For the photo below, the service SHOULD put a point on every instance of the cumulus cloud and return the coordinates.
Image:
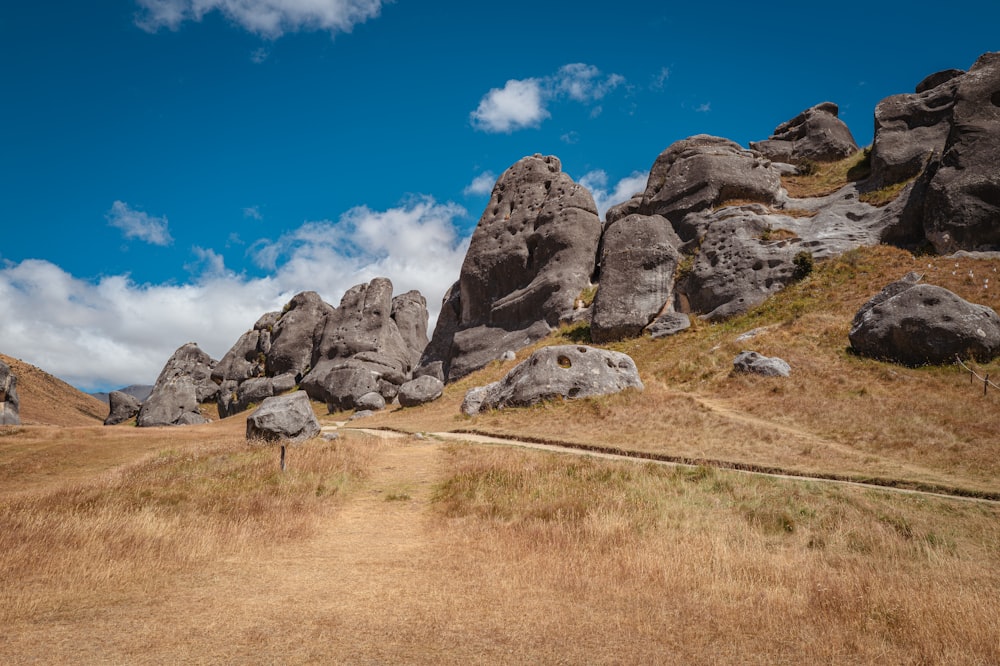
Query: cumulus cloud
(597, 182)
(267, 18)
(137, 224)
(116, 332)
(523, 103)
(481, 184)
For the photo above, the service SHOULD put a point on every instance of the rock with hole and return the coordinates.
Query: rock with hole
(561, 371)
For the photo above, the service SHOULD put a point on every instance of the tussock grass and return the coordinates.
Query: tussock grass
(828, 177)
(714, 567)
(123, 534)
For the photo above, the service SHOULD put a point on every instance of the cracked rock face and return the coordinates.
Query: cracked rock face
(532, 253)
(815, 135)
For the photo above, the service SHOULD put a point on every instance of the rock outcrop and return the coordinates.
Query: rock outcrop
(123, 407)
(10, 405)
(946, 136)
(370, 343)
(532, 253)
(562, 371)
(919, 324)
(184, 383)
(750, 362)
(639, 258)
(283, 418)
(815, 135)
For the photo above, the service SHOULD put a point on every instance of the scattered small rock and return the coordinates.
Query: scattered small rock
(758, 364)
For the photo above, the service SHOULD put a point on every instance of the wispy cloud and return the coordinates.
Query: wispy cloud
(704, 108)
(660, 80)
(138, 224)
(259, 55)
(481, 184)
(115, 332)
(523, 103)
(253, 213)
(597, 182)
(267, 18)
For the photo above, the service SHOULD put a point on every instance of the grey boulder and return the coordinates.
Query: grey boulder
(562, 371)
(638, 260)
(532, 253)
(815, 135)
(370, 402)
(10, 404)
(750, 362)
(123, 407)
(669, 323)
(420, 391)
(174, 401)
(287, 417)
(917, 324)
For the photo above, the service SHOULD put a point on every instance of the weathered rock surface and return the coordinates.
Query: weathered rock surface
(370, 343)
(917, 324)
(287, 417)
(10, 404)
(371, 402)
(532, 253)
(562, 371)
(638, 260)
(420, 391)
(184, 383)
(669, 323)
(947, 136)
(123, 407)
(751, 362)
(815, 135)
(174, 401)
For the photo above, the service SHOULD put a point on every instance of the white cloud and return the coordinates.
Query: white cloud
(524, 103)
(259, 55)
(137, 224)
(115, 332)
(704, 108)
(267, 18)
(481, 184)
(517, 105)
(660, 80)
(253, 213)
(597, 182)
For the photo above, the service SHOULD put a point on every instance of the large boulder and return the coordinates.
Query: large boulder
(420, 391)
(562, 371)
(701, 173)
(123, 407)
(917, 324)
(295, 334)
(638, 260)
(815, 135)
(184, 383)
(532, 253)
(248, 357)
(409, 313)
(174, 401)
(946, 135)
(282, 418)
(10, 405)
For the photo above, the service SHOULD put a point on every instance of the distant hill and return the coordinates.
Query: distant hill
(47, 400)
(138, 391)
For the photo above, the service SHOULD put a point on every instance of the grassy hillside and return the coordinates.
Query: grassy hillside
(837, 413)
(47, 400)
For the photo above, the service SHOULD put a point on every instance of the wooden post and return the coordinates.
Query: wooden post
(282, 457)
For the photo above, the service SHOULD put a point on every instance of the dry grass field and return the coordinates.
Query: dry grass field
(188, 545)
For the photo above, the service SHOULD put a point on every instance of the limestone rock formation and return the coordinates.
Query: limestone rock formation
(123, 407)
(184, 383)
(946, 135)
(283, 418)
(248, 357)
(638, 260)
(420, 391)
(295, 335)
(815, 135)
(917, 324)
(561, 371)
(10, 405)
(751, 362)
(532, 253)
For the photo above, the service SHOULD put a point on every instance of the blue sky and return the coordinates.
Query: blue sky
(171, 169)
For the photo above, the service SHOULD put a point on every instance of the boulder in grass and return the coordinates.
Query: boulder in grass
(9, 403)
(371, 402)
(281, 418)
(123, 407)
(750, 362)
(561, 371)
(420, 391)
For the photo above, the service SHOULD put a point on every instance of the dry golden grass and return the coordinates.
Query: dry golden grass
(47, 400)
(828, 177)
(837, 413)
